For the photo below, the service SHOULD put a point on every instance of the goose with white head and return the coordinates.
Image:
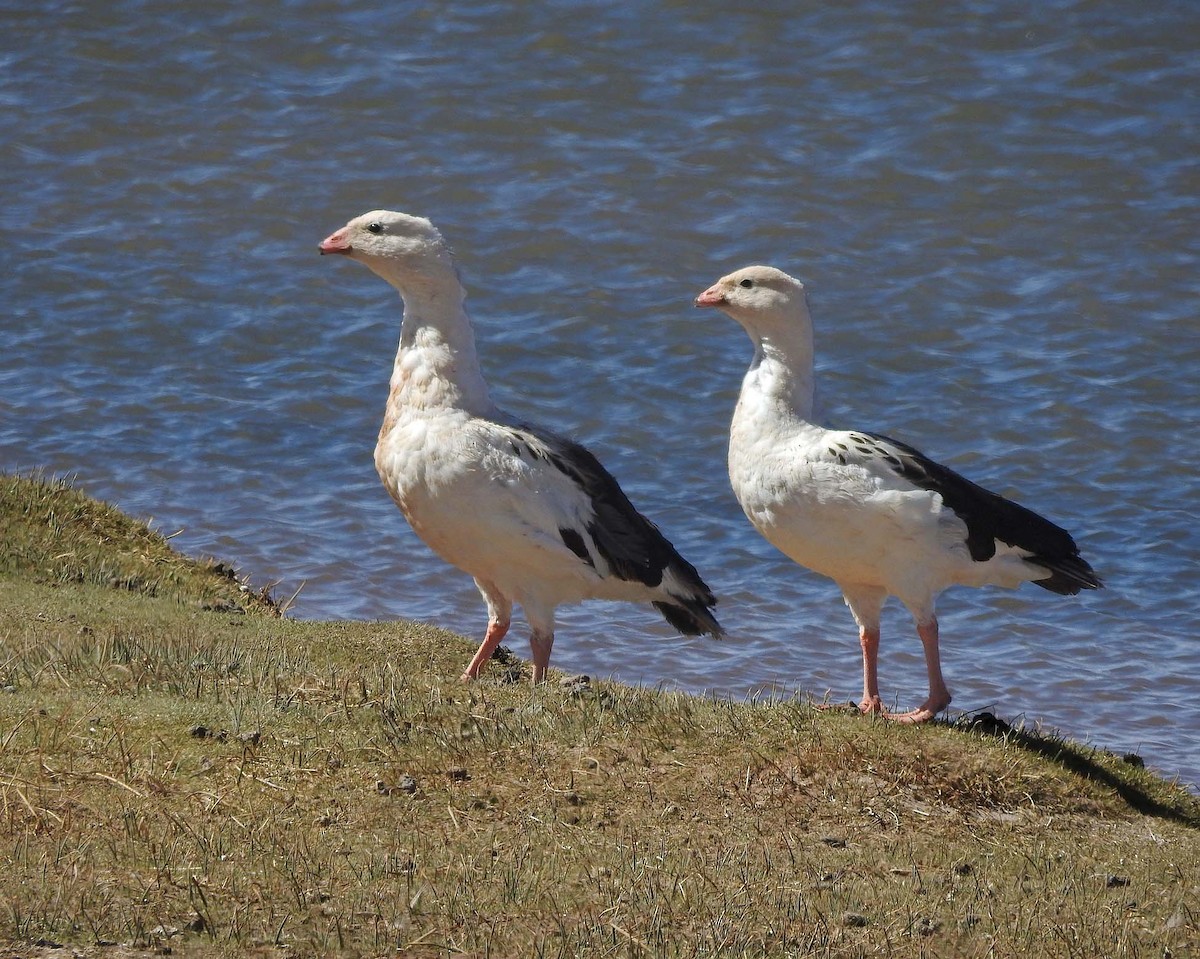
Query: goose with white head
(871, 513)
(531, 516)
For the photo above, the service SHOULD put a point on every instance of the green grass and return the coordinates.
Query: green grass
(51, 533)
(182, 769)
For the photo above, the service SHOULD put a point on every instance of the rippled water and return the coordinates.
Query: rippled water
(993, 205)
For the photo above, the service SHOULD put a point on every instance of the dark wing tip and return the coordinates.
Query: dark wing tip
(1071, 574)
(691, 618)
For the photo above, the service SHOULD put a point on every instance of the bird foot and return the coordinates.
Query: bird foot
(922, 714)
(872, 704)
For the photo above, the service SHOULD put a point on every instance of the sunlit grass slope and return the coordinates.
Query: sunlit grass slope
(182, 769)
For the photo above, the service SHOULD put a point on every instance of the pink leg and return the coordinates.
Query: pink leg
(540, 643)
(871, 703)
(939, 695)
(866, 603)
(491, 639)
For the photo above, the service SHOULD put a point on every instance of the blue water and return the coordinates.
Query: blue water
(993, 205)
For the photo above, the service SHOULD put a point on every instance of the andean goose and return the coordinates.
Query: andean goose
(533, 517)
(873, 514)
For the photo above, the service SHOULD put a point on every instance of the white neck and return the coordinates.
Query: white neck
(436, 363)
(780, 378)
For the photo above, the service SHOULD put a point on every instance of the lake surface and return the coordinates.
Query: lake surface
(993, 205)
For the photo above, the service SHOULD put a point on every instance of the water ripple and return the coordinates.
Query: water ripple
(993, 210)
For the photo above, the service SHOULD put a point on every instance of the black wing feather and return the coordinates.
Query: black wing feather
(990, 517)
(630, 544)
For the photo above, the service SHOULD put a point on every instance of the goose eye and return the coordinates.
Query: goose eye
(375, 227)
(746, 283)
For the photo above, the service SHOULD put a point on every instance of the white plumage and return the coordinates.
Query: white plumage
(871, 513)
(533, 517)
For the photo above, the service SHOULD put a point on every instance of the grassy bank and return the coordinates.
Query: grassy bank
(182, 769)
